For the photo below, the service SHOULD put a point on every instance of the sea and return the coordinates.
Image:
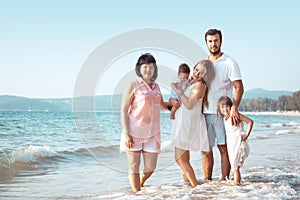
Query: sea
(63, 155)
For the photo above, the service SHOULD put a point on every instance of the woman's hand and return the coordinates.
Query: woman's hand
(128, 141)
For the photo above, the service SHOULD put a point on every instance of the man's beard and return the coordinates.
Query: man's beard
(215, 52)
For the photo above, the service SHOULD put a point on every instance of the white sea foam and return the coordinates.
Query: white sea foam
(283, 132)
(26, 155)
(210, 190)
(166, 146)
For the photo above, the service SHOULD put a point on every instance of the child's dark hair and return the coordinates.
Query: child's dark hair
(146, 58)
(224, 100)
(184, 68)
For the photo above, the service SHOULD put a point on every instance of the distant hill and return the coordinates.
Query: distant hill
(259, 92)
(15, 103)
(101, 103)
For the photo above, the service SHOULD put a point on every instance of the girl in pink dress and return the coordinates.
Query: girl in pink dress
(140, 116)
(236, 138)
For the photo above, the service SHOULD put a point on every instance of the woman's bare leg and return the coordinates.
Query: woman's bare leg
(183, 161)
(150, 161)
(134, 158)
(185, 179)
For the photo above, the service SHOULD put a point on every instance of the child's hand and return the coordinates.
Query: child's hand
(175, 102)
(245, 137)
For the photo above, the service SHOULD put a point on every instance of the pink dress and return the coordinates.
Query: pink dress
(144, 114)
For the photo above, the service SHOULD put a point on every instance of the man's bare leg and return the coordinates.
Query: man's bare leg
(208, 164)
(225, 165)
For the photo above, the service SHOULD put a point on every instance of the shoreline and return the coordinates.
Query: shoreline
(280, 113)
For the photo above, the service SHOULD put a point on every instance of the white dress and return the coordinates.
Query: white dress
(238, 150)
(189, 128)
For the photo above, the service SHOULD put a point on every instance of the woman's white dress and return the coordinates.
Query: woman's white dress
(189, 130)
(238, 150)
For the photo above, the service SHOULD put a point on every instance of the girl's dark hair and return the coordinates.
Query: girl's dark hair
(213, 32)
(146, 58)
(224, 100)
(184, 68)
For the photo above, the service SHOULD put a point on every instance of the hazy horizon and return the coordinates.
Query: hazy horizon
(97, 95)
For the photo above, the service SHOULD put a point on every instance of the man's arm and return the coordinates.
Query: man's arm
(239, 91)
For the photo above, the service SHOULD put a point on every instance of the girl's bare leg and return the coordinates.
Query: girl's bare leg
(150, 161)
(237, 176)
(183, 161)
(133, 169)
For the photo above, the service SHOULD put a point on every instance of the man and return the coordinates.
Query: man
(228, 76)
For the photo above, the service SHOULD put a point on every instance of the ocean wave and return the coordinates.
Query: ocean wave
(290, 124)
(24, 158)
(100, 149)
(287, 131)
(30, 154)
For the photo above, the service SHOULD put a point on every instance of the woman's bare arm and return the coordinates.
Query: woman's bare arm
(127, 99)
(164, 105)
(197, 92)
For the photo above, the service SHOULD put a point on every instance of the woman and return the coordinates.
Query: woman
(140, 113)
(189, 131)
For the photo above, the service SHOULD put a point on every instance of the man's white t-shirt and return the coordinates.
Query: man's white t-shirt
(226, 71)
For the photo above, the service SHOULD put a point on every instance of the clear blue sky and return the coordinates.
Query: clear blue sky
(43, 44)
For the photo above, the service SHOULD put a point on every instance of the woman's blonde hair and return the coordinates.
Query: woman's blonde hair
(208, 76)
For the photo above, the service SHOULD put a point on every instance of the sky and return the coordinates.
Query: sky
(44, 44)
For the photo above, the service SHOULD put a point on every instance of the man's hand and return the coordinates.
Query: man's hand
(235, 116)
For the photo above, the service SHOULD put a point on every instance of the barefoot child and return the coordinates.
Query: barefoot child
(237, 147)
(183, 83)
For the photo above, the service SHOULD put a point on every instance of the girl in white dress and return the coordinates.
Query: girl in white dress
(237, 146)
(189, 131)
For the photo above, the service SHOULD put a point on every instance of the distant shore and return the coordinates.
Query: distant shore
(283, 113)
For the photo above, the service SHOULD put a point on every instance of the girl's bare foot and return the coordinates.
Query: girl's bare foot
(237, 183)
